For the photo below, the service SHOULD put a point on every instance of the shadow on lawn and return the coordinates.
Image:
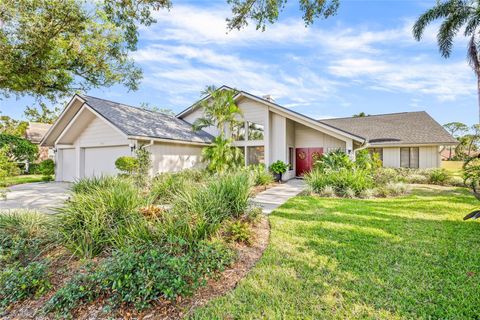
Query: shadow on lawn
(410, 257)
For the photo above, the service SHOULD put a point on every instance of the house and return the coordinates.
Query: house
(35, 133)
(91, 133)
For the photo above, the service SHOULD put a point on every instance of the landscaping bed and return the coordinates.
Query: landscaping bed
(130, 246)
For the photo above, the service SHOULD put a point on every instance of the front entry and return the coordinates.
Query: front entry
(305, 158)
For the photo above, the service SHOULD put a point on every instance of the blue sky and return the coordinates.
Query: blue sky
(362, 59)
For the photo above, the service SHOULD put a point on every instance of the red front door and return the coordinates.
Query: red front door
(305, 158)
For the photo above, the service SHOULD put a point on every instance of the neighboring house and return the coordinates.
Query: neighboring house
(35, 133)
(91, 133)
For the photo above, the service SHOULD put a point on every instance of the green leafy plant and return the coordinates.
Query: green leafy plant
(279, 167)
(19, 149)
(47, 167)
(222, 156)
(438, 176)
(127, 165)
(239, 231)
(261, 177)
(366, 161)
(334, 160)
(18, 282)
(471, 173)
(340, 180)
(137, 276)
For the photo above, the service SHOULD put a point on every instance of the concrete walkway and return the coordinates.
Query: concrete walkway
(272, 198)
(38, 196)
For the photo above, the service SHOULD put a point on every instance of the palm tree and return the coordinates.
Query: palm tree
(219, 111)
(221, 155)
(455, 14)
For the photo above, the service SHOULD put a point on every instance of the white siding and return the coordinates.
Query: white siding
(306, 137)
(174, 157)
(196, 114)
(391, 157)
(253, 111)
(429, 157)
(98, 133)
(278, 142)
(290, 143)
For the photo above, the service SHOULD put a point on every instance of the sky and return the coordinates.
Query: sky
(364, 59)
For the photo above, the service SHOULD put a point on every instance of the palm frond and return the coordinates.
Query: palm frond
(449, 28)
(441, 10)
(472, 55)
(473, 22)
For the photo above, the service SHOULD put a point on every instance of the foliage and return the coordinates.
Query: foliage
(52, 48)
(263, 12)
(340, 180)
(392, 189)
(198, 212)
(18, 283)
(19, 149)
(334, 250)
(14, 180)
(126, 164)
(23, 235)
(471, 173)
(46, 167)
(138, 276)
(221, 155)
(12, 126)
(366, 161)
(42, 114)
(219, 110)
(102, 213)
(261, 177)
(47, 178)
(141, 174)
(439, 176)
(239, 231)
(334, 160)
(279, 167)
(165, 186)
(7, 167)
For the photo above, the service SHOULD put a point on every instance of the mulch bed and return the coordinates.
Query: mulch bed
(225, 282)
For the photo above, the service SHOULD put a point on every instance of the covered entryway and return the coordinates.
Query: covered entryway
(100, 161)
(305, 158)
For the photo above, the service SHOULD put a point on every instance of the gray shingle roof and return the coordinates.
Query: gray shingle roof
(395, 129)
(140, 122)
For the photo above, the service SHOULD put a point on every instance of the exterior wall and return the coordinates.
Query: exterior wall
(167, 157)
(278, 138)
(306, 137)
(98, 133)
(290, 136)
(391, 157)
(253, 111)
(429, 157)
(198, 113)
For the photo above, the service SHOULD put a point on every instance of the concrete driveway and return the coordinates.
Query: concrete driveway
(39, 196)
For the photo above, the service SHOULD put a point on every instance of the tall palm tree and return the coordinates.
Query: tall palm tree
(220, 110)
(455, 14)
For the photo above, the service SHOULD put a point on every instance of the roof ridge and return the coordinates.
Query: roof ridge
(374, 115)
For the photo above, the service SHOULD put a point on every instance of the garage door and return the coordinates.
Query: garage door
(101, 161)
(69, 164)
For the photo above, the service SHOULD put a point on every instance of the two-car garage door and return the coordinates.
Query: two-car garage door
(95, 161)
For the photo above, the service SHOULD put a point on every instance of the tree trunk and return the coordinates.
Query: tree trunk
(478, 94)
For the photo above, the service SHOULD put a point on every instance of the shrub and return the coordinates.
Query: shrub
(417, 178)
(349, 193)
(18, 283)
(46, 167)
(279, 167)
(253, 214)
(384, 175)
(328, 191)
(365, 161)
(7, 167)
(198, 211)
(137, 276)
(471, 173)
(334, 160)
(439, 176)
(261, 177)
(102, 213)
(456, 181)
(126, 164)
(239, 231)
(340, 180)
(23, 235)
(165, 186)
(47, 178)
(392, 189)
(368, 193)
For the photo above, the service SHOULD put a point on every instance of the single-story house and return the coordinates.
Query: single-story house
(35, 133)
(91, 133)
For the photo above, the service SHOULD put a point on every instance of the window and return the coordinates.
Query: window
(238, 131)
(291, 157)
(256, 155)
(379, 151)
(255, 131)
(409, 158)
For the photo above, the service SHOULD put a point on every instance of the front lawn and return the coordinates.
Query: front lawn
(13, 180)
(398, 258)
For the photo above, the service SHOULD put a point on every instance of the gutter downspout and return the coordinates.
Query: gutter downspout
(363, 146)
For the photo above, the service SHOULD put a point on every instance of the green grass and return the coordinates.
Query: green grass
(399, 258)
(10, 181)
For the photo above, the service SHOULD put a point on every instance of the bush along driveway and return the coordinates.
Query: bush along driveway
(399, 258)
